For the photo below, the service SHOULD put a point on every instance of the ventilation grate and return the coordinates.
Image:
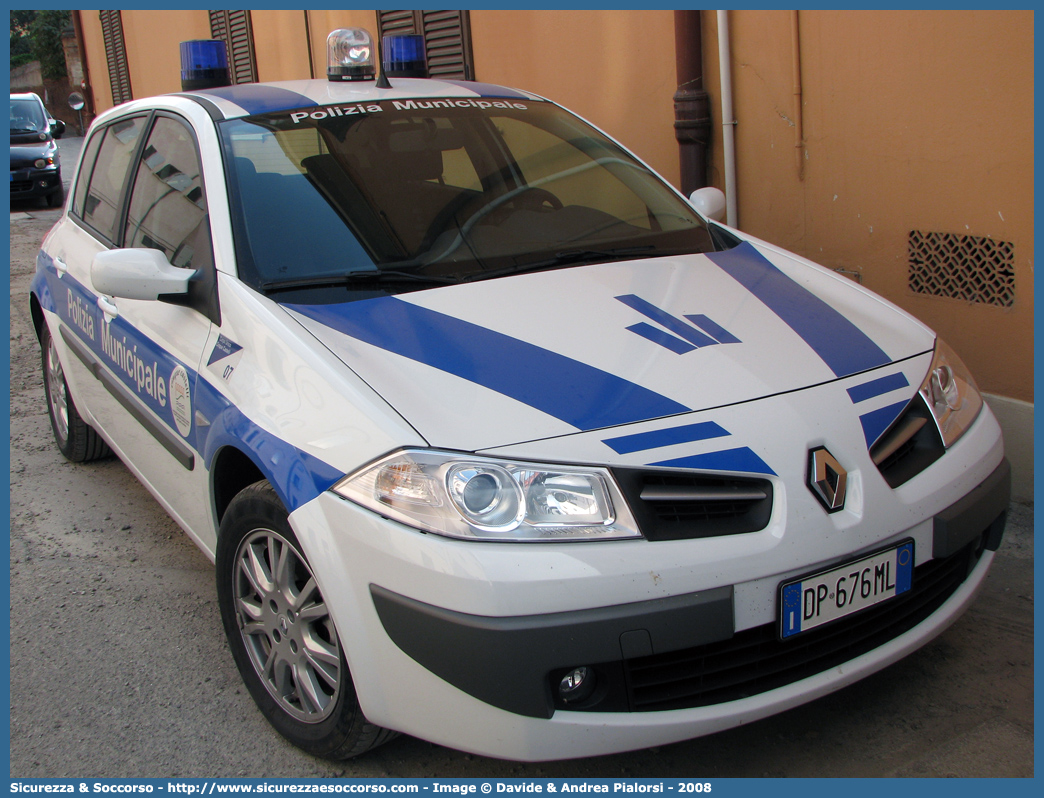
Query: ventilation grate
(970, 268)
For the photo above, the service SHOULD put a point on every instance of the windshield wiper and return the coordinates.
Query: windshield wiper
(570, 257)
(375, 277)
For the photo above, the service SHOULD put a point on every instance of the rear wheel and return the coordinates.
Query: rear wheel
(76, 440)
(281, 634)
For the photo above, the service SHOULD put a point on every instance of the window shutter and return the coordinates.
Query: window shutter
(447, 39)
(234, 28)
(116, 55)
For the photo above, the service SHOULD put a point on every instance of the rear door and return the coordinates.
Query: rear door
(138, 361)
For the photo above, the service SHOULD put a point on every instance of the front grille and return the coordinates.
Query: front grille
(673, 506)
(755, 660)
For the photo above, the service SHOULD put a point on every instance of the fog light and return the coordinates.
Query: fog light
(577, 685)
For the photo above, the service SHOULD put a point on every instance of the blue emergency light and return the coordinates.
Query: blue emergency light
(204, 64)
(404, 56)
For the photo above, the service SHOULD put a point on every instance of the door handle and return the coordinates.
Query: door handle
(60, 266)
(108, 308)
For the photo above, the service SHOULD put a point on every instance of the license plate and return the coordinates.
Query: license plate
(842, 591)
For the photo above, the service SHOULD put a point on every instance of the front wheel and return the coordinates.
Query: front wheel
(56, 197)
(281, 634)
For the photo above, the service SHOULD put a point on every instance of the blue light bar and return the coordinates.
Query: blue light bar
(404, 56)
(204, 64)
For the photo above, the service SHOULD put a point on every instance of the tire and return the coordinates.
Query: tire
(56, 197)
(76, 440)
(282, 638)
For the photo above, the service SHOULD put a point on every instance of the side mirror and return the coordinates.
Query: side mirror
(137, 274)
(57, 129)
(709, 201)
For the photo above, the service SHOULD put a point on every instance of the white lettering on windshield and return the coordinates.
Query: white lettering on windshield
(335, 110)
(418, 105)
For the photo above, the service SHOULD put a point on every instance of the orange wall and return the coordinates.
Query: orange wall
(152, 39)
(913, 120)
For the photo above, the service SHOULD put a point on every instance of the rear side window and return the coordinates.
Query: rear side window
(90, 153)
(167, 208)
(101, 205)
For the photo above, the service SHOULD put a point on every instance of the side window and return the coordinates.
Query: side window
(90, 152)
(167, 208)
(101, 205)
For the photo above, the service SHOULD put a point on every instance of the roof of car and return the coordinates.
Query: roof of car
(259, 98)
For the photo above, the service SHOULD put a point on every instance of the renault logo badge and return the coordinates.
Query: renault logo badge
(827, 479)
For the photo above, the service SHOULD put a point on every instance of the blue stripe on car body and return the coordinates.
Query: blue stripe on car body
(740, 459)
(842, 346)
(878, 387)
(569, 390)
(664, 339)
(877, 421)
(667, 321)
(689, 433)
(297, 476)
(256, 98)
(713, 329)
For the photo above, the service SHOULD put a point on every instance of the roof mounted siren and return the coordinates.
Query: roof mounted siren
(204, 65)
(349, 53)
(404, 56)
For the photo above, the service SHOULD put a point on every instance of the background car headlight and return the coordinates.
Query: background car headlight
(467, 497)
(951, 394)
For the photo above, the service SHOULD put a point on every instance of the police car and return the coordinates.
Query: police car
(495, 438)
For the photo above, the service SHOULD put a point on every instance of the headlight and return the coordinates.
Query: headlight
(481, 498)
(951, 394)
(44, 163)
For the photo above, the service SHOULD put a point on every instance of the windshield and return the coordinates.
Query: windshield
(26, 116)
(399, 195)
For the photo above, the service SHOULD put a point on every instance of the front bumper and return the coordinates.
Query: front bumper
(33, 183)
(435, 628)
(512, 662)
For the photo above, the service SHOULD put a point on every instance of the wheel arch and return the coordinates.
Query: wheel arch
(37, 314)
(231, 471)
(239, 453)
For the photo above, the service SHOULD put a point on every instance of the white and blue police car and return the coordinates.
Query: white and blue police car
(495, 438)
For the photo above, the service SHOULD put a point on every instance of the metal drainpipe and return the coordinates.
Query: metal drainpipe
(728, 122)
(308, 44)
(799, 124)
(692, 124)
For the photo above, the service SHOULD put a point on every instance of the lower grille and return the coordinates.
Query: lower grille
(18, 186)
(755, 660)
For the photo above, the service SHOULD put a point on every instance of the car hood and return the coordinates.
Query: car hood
(27, 153)
(27, 141)
(504, 361)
